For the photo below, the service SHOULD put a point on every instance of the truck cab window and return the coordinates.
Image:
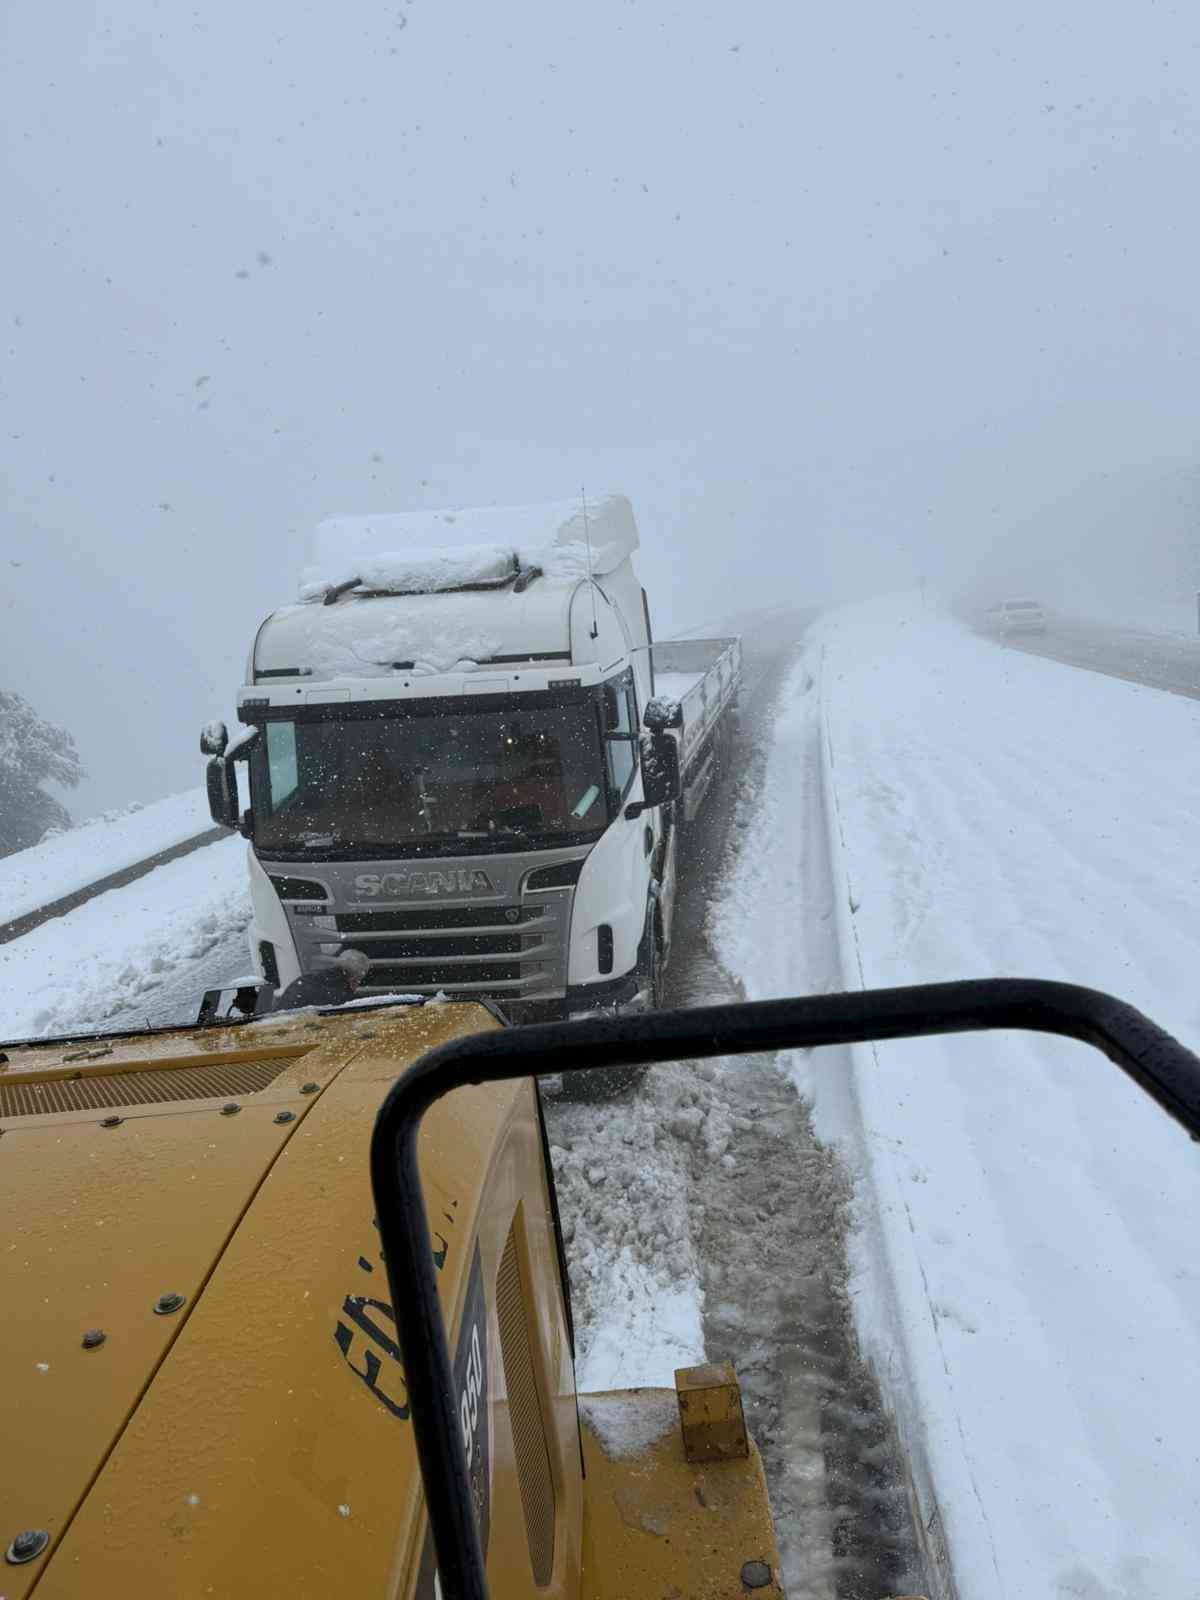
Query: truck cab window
(620, 738)
(281, 759)
(469, 778)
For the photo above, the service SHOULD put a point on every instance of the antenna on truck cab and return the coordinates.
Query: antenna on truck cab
(587, 534)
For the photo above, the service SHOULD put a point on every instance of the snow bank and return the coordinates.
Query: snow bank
(102, 964)
(420, 552)
(621, 1167)
(628, 1425)
(72, 860)
(1029, 1213)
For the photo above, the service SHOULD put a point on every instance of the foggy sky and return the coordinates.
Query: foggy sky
(840, 297)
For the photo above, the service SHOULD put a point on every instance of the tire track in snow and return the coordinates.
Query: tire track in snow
(775, 1239)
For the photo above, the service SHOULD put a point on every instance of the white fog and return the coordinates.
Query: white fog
(838, 300)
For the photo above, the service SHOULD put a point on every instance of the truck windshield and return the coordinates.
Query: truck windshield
(473, 780)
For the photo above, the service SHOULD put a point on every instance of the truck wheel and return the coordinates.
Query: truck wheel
(650, 971)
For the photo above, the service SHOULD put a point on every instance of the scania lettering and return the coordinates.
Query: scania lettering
(471, 762)
(402, 885)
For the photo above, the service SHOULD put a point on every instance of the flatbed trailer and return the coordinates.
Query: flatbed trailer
(702, 677)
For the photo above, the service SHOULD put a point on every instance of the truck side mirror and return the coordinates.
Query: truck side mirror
(661, 778)
(214, 736)
(220, 777)
(662, 713)
(221, 783)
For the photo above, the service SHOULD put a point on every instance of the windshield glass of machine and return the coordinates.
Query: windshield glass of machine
(478, 779)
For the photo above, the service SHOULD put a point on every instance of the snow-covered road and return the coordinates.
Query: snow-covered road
(69, 862)
(1026, 1274)
(1159, 660)
(143, 952)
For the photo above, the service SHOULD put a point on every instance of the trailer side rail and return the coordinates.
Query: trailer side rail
(703, 705)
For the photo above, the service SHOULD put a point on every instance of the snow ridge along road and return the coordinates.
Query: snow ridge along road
(1025, 1273)
(74, 861)
(29, 920)
(139, 954)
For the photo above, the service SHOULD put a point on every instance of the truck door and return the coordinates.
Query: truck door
(640, 841)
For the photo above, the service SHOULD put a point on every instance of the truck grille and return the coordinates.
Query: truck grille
(516, 950)
(444, 974)
(450, 946)
(405, 920)
(479, 944)
(506, 944)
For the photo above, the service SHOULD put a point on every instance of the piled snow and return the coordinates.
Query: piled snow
(419, 552)
(630, 1424)
(369, 642)
(622, 1170)
(1029, 1213)
(390, 999)
(77, 857)
(106, 964)
(427, 571)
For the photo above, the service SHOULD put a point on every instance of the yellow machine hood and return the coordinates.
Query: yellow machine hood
(189, 1266)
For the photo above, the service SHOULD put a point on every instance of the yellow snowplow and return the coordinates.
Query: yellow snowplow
(286, 1309)
(204, 1390)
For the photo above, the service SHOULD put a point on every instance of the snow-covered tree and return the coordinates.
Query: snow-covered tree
(32, 752)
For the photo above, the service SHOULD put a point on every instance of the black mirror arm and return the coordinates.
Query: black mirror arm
(1156, 1062)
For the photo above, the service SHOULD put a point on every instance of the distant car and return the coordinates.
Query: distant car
(1018, 616)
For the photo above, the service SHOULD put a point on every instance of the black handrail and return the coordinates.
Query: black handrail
(1155, 1061)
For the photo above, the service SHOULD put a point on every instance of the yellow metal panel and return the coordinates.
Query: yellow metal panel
(273, 1454)
(307, 1068)
(656, 1524)
(267, 1449)
(288, 1034)
(31, 1070)
(99, 1223)
(168, 1047)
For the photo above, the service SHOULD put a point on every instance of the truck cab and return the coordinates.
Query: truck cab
(455, 766)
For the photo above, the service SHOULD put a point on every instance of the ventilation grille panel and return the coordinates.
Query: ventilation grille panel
(525, 1414)
(233, 1080)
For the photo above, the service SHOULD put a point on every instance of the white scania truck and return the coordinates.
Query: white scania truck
(467, 759)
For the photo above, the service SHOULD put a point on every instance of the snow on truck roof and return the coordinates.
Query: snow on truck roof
(428, 633)
(444, 564)
(424, 552)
